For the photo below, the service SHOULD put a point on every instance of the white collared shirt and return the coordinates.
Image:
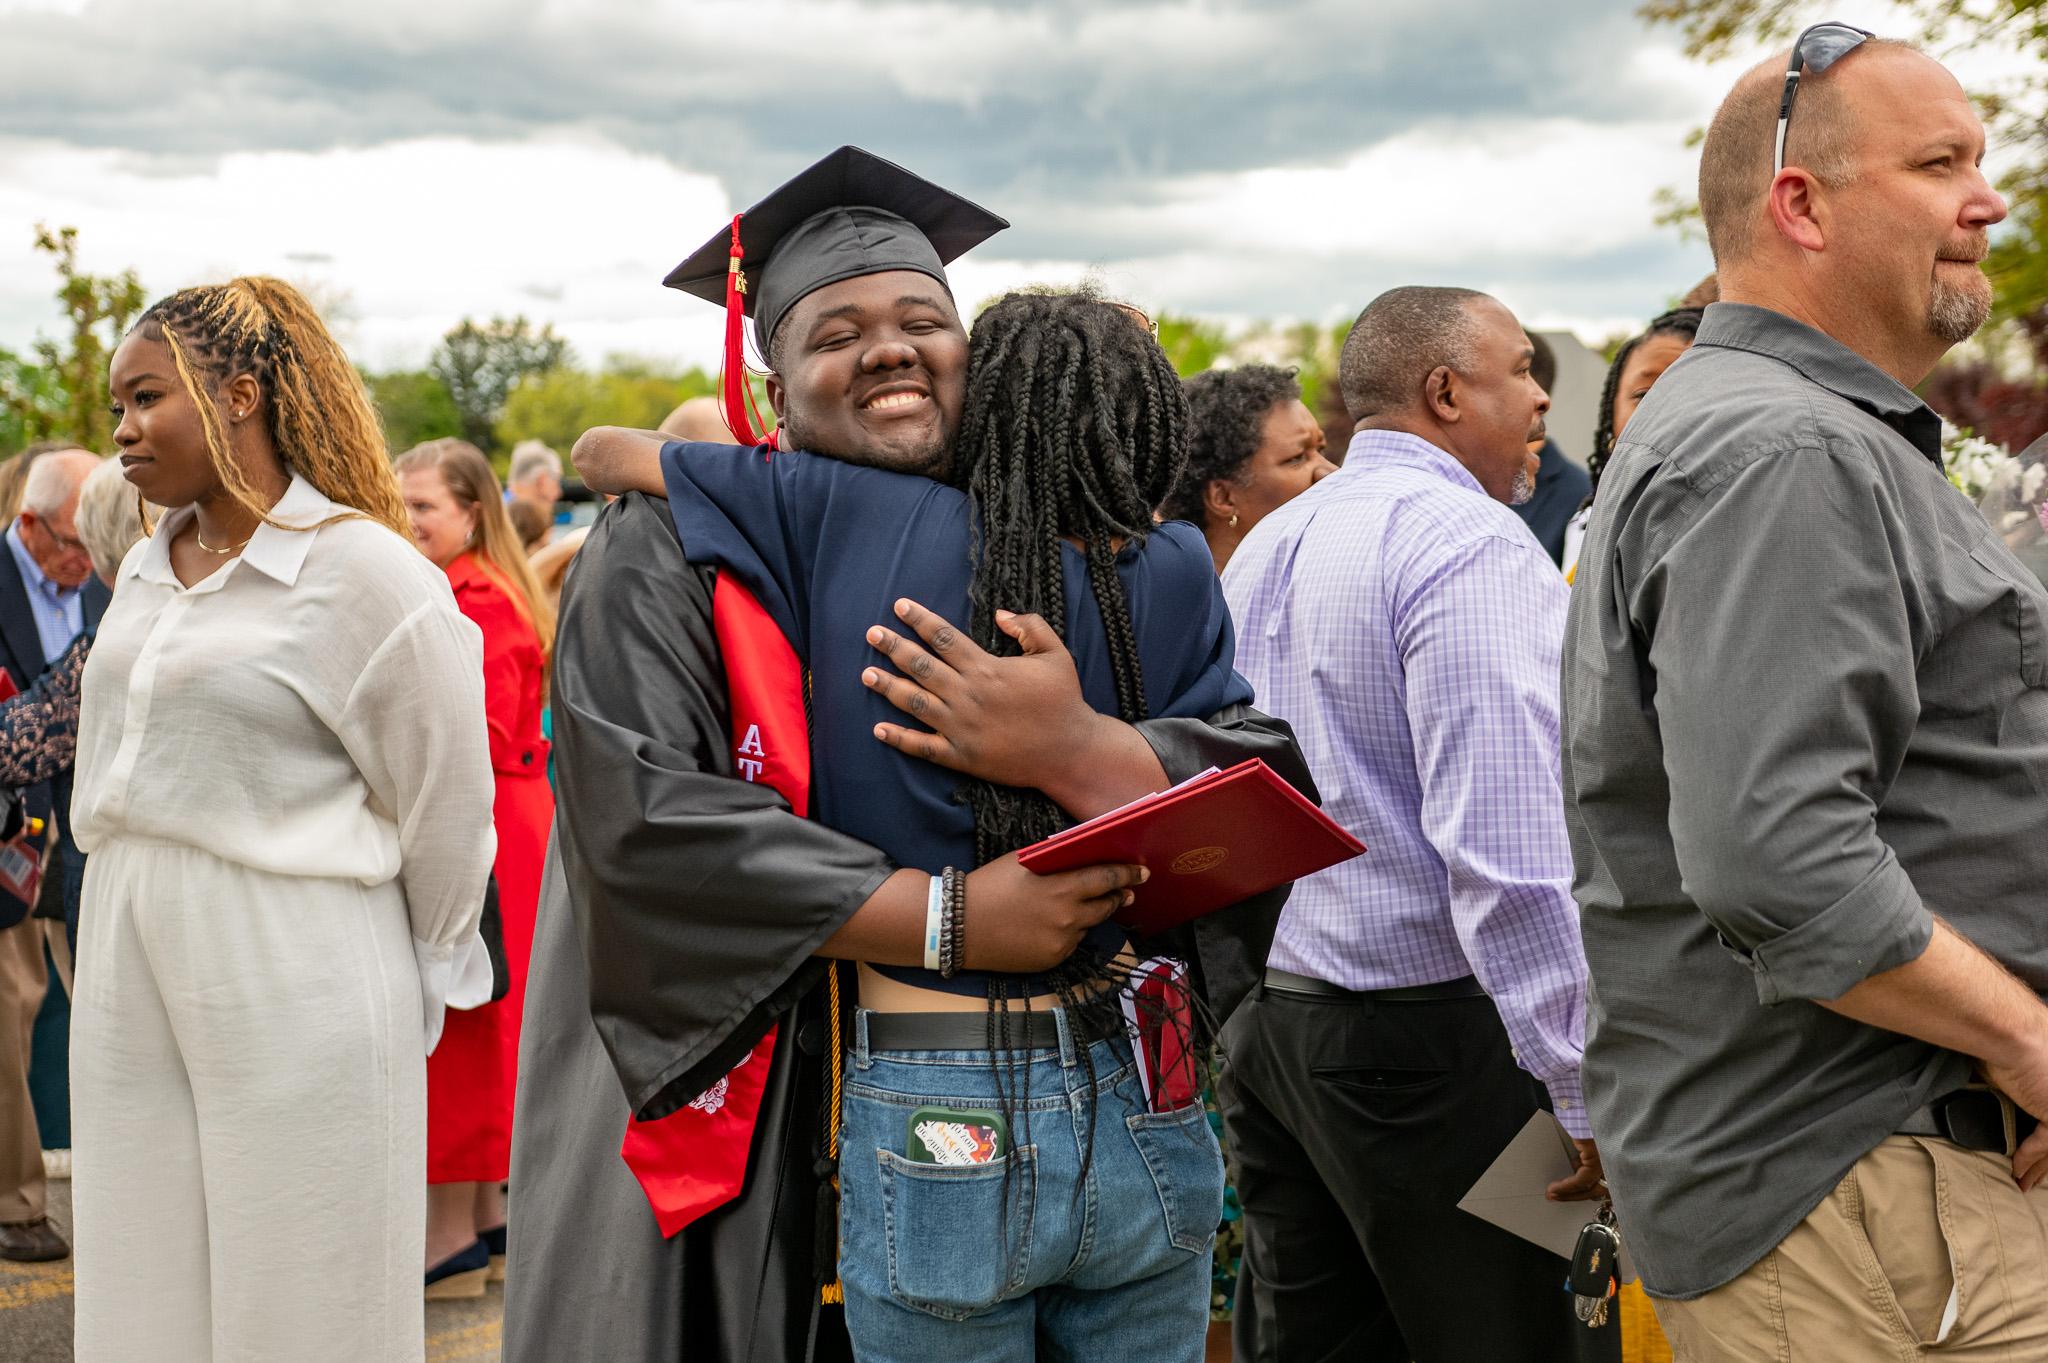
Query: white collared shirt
(313, 708)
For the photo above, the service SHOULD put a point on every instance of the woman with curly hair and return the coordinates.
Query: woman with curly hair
(285, 789)
(1253, 445)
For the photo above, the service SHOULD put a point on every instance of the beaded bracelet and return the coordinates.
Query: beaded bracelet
(952, 935)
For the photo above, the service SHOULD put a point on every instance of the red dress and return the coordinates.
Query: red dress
(470, 1075)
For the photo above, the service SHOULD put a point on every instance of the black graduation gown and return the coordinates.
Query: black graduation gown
(677, 923)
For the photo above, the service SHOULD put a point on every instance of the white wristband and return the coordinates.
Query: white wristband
(934, 919)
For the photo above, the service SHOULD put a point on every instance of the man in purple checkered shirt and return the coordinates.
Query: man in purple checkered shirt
(1422, 1001)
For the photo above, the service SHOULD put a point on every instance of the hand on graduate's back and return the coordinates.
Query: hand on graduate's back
(1018, 721)
(1020, 921)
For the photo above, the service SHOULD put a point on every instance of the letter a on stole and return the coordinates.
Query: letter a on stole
(694, 1160)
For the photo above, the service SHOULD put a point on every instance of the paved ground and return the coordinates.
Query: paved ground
(35, 1311)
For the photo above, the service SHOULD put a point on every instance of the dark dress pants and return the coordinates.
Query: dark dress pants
(1354, 1128)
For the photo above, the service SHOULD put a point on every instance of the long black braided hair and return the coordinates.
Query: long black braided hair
(1074, 428)
(1684, 322)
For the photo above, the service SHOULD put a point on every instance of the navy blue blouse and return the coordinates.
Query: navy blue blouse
(829, 547)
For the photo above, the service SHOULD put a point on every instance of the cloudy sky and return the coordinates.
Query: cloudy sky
(422, 160)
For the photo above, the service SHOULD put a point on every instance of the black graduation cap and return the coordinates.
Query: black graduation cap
(851, 214)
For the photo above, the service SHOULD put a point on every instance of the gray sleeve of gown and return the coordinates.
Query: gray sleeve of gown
(701, 897)
(1228, 947)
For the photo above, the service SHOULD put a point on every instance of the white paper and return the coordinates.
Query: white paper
(1510, 1193)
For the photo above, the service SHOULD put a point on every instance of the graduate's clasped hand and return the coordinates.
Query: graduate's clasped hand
(1023, 922)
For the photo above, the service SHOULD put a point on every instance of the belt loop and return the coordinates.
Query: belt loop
(1069, 1057)
(860, 1038)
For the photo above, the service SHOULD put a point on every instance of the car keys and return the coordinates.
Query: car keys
(1596, 1268)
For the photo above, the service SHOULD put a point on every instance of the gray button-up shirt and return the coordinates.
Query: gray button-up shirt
(1805, 709)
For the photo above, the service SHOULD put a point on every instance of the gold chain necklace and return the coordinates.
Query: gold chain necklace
(211, 550)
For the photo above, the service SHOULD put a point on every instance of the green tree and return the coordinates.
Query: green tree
(480, 365)
(414, 405)
(33, 402)
(1191, 343)
(62, 395)
(561, 404)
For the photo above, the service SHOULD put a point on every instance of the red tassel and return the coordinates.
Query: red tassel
(741, 417)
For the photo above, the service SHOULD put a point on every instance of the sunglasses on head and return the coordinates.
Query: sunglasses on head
(1815, 50)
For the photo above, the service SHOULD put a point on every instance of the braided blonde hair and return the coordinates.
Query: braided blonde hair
(320, 417)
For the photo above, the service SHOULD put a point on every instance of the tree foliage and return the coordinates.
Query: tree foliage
(62, 393)
(560, 404)
(414, 406)
(481, 363)
(1192, 344)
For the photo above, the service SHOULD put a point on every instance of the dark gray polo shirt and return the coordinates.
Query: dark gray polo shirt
(1805, 710)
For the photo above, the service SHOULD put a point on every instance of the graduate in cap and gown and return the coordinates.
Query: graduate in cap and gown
(704, 1002)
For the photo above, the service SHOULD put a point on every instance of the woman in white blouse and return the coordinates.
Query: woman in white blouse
(284, 786)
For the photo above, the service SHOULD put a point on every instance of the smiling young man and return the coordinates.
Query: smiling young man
(692, 911)
(1806, 719)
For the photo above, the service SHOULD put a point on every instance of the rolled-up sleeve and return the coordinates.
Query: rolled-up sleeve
(1783, 643)
(1480, 635)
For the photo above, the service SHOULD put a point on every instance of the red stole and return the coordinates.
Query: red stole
(694, 1160)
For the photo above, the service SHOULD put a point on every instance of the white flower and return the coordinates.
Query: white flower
(1975, 465)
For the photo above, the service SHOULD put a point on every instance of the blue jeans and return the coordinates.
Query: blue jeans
(1024, 1258)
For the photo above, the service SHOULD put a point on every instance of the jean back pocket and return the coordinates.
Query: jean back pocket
(958, 1238)
(1187, 1170)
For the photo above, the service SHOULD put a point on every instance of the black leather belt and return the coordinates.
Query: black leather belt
(970, 1031)
(1975, 1118)
(1308, 987)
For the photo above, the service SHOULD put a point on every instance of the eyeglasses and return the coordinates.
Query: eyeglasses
(1139, 316)
(68, 544)
(1815, 50)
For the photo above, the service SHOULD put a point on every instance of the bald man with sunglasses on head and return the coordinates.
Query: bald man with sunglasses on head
(1806, 763)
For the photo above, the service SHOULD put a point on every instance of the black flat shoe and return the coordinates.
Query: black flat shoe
(494, 1240)
(32, 1242)
(461, 1275)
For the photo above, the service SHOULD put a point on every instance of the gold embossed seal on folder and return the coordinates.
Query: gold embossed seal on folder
(1199, 859)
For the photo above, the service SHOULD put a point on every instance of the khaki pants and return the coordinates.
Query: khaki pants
(1925, 1250)
(23, 978)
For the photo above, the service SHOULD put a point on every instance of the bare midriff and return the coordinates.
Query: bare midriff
(880, 994)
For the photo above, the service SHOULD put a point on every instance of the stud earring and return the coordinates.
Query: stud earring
(1233, 520)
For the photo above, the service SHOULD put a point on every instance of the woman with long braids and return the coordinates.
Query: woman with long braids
(285, 788)
(1637, 366)
(1087, 1233)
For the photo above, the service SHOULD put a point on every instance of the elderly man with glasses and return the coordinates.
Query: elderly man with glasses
(1806, 763)
(47, 595)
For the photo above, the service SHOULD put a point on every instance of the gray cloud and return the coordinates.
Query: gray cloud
(1013, 103)
(1071, 117)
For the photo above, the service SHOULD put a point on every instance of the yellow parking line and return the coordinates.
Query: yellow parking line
(29, 1291)
(484, 1339)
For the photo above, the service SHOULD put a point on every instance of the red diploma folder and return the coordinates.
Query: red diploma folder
(1209, 842)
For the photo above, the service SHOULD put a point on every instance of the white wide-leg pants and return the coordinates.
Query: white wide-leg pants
(249, 1114)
